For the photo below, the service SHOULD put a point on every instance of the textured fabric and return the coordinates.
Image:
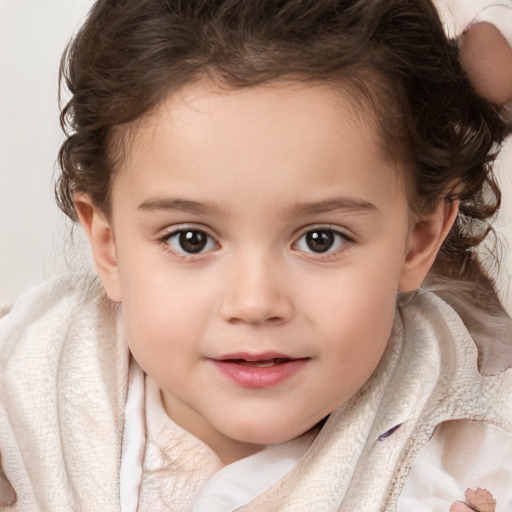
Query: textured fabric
(462, 454)
(134, 440)
(239, 483)
(64, 373)
(179, 472)
(63, 383)
(176, 465)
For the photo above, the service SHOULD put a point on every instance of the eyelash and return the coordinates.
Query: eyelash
(346, 243)
(165, 242)
(343, 244)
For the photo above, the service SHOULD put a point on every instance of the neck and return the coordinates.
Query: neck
(227, 449)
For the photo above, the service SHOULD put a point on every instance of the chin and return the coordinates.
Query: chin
(264, 433)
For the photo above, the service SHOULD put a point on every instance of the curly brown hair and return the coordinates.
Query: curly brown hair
(392, 55)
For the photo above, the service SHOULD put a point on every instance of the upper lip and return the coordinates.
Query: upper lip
(244, 356)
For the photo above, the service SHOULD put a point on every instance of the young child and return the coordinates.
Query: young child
(265, 186)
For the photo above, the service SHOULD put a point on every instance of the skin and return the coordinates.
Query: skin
(486, 57)
(255, 170)
(480, 500)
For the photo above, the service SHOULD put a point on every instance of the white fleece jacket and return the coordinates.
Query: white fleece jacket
(63, 378)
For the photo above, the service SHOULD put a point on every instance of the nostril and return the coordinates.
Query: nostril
(256, 320)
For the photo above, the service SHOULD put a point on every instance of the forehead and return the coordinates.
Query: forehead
(291, 135)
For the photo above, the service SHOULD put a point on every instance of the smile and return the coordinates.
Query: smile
(258, 371)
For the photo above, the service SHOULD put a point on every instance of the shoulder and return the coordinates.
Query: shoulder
(444, 346)
(486, 331)
(63, 385)
(42, 318)
(51, 334)
(471, 445)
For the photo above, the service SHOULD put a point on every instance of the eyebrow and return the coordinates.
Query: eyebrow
(181, 205)
(347, 204)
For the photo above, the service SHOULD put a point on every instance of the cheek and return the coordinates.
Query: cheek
(355, 318)
(165, 317)
(362, 300)
(363, 330)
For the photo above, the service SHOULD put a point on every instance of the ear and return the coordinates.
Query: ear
(426, 238)
(99, 231)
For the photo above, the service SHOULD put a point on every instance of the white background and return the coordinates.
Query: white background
(33, 34)
(34, 237)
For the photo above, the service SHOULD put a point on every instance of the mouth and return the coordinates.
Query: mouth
(259, 370)
(262, 363)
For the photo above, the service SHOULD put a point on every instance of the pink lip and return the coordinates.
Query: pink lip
(238, 368)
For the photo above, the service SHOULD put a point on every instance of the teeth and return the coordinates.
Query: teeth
(262, 364)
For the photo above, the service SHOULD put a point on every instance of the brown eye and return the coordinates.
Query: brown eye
(321, 241)
(191, 241)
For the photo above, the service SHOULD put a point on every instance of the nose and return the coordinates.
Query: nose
(257, 292)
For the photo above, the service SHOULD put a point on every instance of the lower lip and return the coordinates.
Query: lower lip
(259, 376)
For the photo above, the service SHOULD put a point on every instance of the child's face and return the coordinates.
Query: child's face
(259, 239)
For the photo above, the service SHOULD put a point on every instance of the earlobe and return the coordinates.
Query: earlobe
(100, 234)
(426, 239)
